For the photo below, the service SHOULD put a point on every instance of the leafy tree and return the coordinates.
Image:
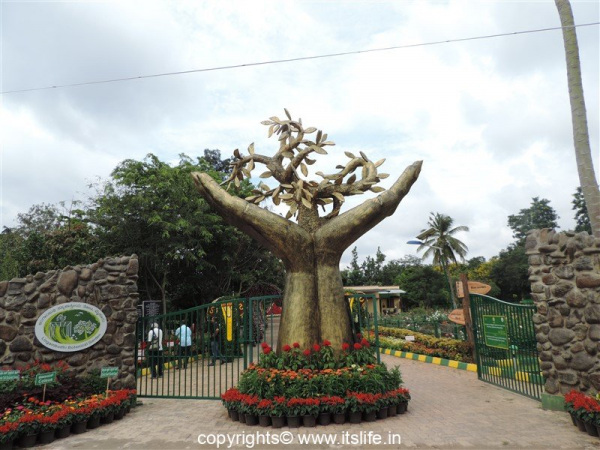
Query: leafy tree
(440, 242)
(424, 286)
(372, 268)
(187, 253)
(539, 215)
(392, 270)
(581, 213)
(510, 272)
(353, 276)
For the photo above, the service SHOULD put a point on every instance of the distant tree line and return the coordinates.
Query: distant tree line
(188, 255)
(506, 273)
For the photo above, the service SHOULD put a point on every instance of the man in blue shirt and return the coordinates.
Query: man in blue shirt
(184, 334)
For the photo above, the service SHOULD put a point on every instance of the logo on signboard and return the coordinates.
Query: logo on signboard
(70, 327)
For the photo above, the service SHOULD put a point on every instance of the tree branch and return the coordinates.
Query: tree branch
(343, 230)
(284, 238)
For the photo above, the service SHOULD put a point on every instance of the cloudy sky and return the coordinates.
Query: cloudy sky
(490, 118)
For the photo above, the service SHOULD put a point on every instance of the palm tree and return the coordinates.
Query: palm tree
(439, 241)
(583, 153)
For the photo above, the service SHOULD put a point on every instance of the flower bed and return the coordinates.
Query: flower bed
(394, 338)
(584, 411)
(28, 417)
(316, 383)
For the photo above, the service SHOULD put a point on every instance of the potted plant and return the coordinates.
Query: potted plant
(354, 408)
(249, 403)
(393, 401)
(309, 410)
(328, 408)
(369, 406)
(263, 409)
(28, 430)
(63, 422)
(278, 411)
(79, 418)
(293, 411)
(231, 401)
(383, 404)
(8, 434)
(403, 398)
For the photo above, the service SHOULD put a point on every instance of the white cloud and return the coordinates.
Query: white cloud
(490, 118)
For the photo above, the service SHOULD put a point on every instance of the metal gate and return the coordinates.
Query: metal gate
(211, 363)
(222, 337)
(505, 345)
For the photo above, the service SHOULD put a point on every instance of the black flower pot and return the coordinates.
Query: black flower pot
(264, 421)
(382, 413)
(370, 416)
(591, 429)
(251, 419)
(93, 422)
(324, 419)
(45, 437)
(79, 427)
(233, 415)
(580, 425)
(8, 445)
(392, 410)
(277, 421)
(108, 418)
(573, 419)
(402, 407)
(27, 440)
(339, 418)
(309, 421)
(63, 432)
(241, 417)
(120, 414)
(355, 417)
(293, 421)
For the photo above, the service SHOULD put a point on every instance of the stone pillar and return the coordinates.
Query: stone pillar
(564, 271)
(110, 285)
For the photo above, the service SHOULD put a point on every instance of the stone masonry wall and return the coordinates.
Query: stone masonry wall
(110, 285)
(564, 271)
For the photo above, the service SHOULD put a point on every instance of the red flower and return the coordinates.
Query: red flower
(286, 348)
(357, 346)
(365, 343)
(358, 336)
(345, 346)
(306, 352)
(296, 345)
(266, 350)
(264, 345)
(316, 347)
(326, 343)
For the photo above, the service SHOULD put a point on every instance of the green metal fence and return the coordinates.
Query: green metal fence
(364, 317)
(506, 346)
(213, 362)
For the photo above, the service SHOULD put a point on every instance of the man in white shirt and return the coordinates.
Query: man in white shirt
(184, 334)
(155, 350)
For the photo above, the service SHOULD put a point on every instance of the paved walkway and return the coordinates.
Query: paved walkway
(450, 409)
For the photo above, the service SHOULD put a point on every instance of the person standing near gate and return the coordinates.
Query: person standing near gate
(155, 350)
(215, 344)
(184, 334)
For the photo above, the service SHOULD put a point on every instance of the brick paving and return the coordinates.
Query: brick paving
(450, 409)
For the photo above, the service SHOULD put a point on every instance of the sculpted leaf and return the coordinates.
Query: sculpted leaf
(251, 149)
(364, 156)
(339, 196)
(304, 169)
(350, 155)
(377, 189)
(383, 175)
(380, 162)
(310, 130)
(352, 179)
(266, 174)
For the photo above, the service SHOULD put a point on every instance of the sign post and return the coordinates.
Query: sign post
(108, 373)
(43, 379)
(9, 375)
(467, 312)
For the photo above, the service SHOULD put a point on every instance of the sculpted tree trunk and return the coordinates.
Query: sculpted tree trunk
(314, 308)
(583, 153)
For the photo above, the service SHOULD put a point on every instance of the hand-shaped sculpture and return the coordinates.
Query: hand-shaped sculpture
(314, 308)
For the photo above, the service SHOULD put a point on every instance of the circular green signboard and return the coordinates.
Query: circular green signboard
(70, 327)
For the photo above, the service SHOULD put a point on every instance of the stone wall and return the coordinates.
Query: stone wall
(564, 271)
(110, 285)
